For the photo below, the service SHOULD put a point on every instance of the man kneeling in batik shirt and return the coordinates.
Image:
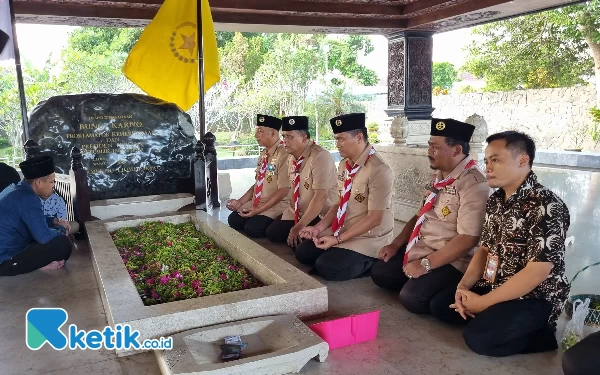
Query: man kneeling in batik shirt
(513, 307)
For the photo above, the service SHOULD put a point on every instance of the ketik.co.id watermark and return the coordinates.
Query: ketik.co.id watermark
(43, 326)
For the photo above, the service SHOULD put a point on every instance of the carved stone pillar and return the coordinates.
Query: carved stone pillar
(410, 69)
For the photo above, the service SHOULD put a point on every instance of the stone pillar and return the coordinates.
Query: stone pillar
(79, 180)
(200, 175)
(210, 156)
(410, 78)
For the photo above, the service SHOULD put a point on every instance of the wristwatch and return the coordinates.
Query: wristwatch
(426, 265)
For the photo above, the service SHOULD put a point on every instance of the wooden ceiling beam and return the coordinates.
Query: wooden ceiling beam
(301, 20)
(453, 11)
(292, 6)
(219, 15)
(421, 5)
(82, 10)
(310, 7)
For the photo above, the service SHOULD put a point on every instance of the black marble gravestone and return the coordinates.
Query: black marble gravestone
(132, 145)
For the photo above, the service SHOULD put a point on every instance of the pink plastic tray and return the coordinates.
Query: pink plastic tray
(348, 331)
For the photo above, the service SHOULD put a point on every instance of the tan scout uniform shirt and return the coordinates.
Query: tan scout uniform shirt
(275, 178)
(316, 172)
(372, 190)
(458, 209)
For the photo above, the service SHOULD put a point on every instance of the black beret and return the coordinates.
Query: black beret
(268, 122)
(37, 167)
(294, 123)
(461, 131)
(346, 123)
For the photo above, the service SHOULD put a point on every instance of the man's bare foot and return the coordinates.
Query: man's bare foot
(54, 265)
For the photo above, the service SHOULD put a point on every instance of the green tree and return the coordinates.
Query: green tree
(444, 75)
(550, 49)
(343, 56)
(39, 86)
(335, 99)
(103, 40)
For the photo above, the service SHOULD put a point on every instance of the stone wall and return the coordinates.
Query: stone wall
(556, 118)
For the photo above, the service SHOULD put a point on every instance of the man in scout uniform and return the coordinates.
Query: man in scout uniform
(345, 243)
(312, 174)
(515, 287)
(433, 250)
(28, 239)
(268, 197)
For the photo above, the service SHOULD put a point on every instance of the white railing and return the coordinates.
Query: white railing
(12, 161)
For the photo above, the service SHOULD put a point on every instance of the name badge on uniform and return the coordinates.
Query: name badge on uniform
(491, 268)
(450, 190)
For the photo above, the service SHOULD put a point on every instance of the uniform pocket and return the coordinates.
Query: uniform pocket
(446, 207)
(360, 193)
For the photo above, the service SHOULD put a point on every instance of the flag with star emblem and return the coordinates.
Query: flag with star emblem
(6, 45)
(164, 61)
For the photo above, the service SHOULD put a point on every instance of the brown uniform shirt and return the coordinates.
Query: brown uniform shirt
(372, 190)
(458, 209)
(317, 172)
(275, 178)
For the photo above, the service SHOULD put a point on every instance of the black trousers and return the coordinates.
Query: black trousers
(334, 264)
(36, 256)
(415, 294)
(279, 230)
(255, 227)
(507, 328)
(583, 358)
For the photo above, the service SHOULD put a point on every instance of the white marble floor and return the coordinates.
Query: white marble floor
(406, 344)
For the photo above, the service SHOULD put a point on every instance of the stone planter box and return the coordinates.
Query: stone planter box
(276, 345)
(287, 290)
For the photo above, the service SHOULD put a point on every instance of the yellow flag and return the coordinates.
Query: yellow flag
(164, 61)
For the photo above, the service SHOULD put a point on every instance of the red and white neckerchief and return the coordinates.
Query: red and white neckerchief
(260, 179)
(296, 165)
(341, 213)
(428, 205)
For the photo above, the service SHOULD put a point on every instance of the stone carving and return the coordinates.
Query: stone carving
(480, 134)
(419, 132)
(173, 356)
(396, 72)
(399, 130)
(131, 145)
(411, 182)
(420, 67)
(459, 21)
(346, 30)
(435, 8)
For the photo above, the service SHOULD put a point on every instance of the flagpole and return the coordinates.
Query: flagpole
(22, 98)
(201, 109)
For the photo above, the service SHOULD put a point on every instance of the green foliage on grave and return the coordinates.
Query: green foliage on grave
(169, 262)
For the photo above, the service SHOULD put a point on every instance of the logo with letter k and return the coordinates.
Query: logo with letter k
(43, 325)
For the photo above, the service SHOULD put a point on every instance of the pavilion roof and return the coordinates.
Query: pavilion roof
(302, 16)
